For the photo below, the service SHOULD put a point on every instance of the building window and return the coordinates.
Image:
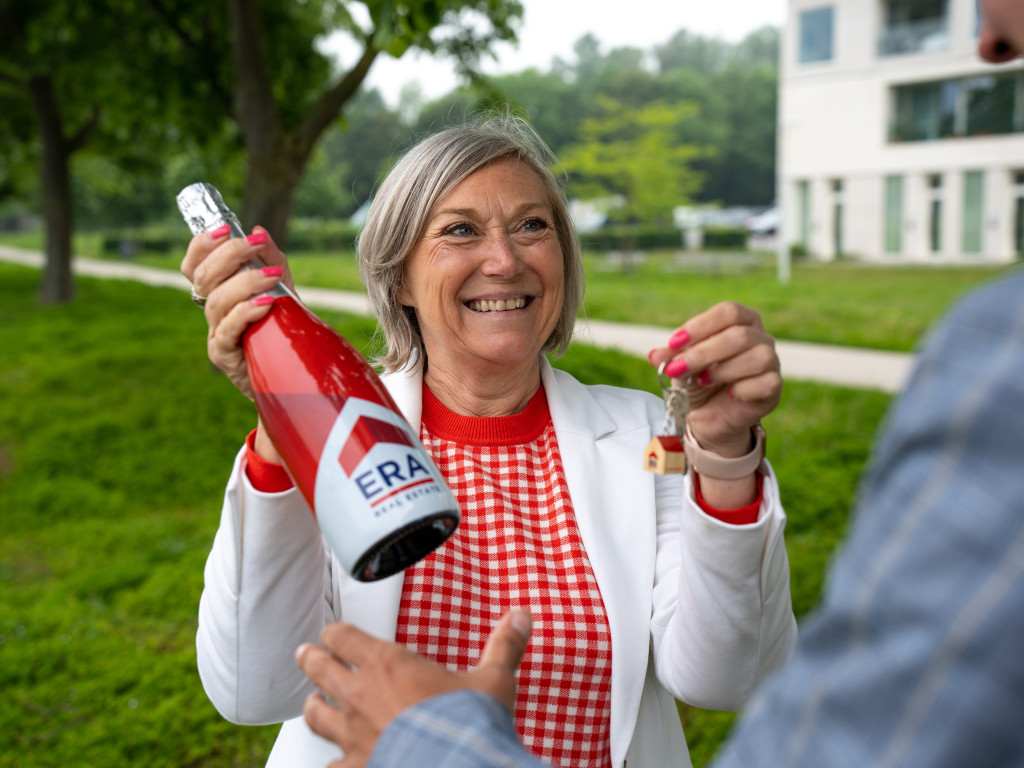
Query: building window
(803, 202)
(894, 214)
(816, 32)
(969, 106)
(1018, 212)
(990, 104)
(974, 207)
(914, 26)
(838, 248)
(935, 213)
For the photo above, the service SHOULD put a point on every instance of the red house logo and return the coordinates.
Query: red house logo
(365, 434)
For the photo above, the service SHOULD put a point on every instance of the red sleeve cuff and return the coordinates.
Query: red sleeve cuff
(265, 476)
(742, 516)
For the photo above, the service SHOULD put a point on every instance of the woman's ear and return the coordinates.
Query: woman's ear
(405, 297)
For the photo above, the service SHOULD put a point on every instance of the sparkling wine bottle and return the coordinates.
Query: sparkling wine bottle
(377, 496)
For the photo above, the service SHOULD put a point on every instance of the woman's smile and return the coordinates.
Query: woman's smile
(498, 305)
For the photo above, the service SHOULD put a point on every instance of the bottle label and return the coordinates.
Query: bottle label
(373, 478)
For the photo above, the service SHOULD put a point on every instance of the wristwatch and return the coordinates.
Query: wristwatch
(715, 466)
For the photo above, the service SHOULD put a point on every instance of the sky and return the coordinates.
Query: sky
(551, 27)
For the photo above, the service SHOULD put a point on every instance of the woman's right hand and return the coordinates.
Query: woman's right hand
(212, 265)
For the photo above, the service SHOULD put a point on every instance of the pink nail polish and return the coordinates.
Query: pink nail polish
(220, 231)
(256, 238)
(262, 301)
(704, 379)
(679, 338)
(272, 271)
(731, 395)
(676, 368)
(650, 355)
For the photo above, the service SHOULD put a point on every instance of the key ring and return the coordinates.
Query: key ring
(677, 401)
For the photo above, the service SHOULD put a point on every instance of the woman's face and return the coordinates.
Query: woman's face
(486, 279)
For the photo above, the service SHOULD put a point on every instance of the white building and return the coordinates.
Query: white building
(897, 143)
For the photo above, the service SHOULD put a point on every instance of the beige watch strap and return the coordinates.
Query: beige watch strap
(712, 465)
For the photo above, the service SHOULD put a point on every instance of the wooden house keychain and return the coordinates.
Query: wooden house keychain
(665, 454)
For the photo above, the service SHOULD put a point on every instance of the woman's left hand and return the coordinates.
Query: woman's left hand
(728, 363)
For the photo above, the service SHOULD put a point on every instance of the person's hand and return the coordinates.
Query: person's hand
(728, 363)
(212, 264)
(371, 681)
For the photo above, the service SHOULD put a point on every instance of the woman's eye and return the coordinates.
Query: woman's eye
(461, 230)
(535, 225)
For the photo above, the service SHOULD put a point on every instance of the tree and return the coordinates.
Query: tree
(40, 44)
(636, 154)
(58, 62)
(688, 50)
(283, 92)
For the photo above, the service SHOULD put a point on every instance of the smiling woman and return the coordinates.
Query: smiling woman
(643, 587)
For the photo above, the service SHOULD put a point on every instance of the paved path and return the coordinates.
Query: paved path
(844, 366)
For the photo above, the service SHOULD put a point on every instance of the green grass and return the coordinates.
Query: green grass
(843, 303)
(116, 438)
(880, 307)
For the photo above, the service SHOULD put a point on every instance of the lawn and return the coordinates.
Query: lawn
(116, 437)
(881, 307)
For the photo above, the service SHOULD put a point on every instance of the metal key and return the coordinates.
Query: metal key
(664, 453)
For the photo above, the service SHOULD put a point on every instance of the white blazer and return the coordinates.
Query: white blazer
(698, 610)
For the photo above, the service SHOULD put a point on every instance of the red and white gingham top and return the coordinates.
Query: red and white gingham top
(516, 546)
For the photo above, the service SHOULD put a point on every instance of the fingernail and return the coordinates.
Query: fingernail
(676, 368)
(262, 301)
(521, 623)
(704, 379)
(272, 271)
(679, 338)
(256, 238)
(220, 231)
(650, 355)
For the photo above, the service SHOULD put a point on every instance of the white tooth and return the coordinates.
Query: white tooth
(497, 305)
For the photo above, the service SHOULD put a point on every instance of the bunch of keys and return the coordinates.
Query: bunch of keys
(665, 454)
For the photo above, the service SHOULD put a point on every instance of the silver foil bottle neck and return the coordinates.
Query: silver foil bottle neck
(204, 208)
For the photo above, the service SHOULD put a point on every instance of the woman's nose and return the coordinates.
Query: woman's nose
(501, 258)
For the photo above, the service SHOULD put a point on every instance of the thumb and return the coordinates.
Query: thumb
(507, 643)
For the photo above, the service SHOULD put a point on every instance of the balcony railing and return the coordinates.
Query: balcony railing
(914, 37)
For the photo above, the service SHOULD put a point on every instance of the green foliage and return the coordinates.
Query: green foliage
(116, 438)
(325, 237)
(635, 153)
(631, 237)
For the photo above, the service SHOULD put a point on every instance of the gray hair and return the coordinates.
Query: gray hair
(405, 200)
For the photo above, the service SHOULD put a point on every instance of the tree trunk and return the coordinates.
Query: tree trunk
(57, 286)
(271, 181)
(276, 156)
